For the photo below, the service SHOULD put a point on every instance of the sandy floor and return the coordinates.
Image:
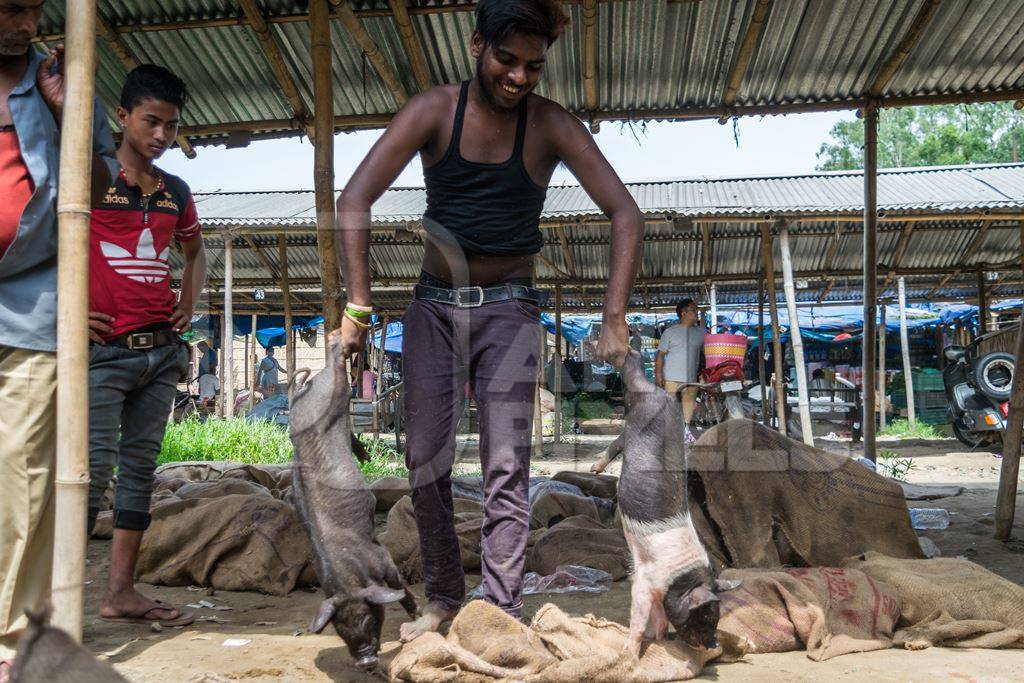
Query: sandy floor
(278, 648)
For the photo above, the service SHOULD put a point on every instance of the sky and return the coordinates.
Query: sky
(772, 145)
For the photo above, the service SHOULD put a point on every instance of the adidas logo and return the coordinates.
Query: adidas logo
(142, 266)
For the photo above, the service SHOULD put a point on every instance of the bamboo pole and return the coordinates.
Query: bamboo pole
(255, 366)
(220, 368)
(881, 369)
(761, 370)
(72, 420)
(323, 160)
(795, 338)
(982, 304)
(557, 379)
(908, 376)
(378, 389)
(538, 414)
(289, 340)
(1009, 473)
(714, 308)
(769, 269)
(870, 275)
(227, 387)
(245, 361)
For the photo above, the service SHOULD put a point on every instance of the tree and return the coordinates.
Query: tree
(941, 135)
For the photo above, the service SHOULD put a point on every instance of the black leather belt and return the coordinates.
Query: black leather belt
(144, 341)
(474, 297)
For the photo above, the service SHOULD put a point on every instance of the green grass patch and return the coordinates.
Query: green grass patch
(902, 429)
(589, 409)
(259, 442)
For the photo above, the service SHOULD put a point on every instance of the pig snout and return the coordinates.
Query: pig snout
(367, 662)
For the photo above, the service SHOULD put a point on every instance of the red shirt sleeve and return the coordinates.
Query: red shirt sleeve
(188, 223)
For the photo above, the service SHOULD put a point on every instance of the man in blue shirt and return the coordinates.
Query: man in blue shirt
(31, 106)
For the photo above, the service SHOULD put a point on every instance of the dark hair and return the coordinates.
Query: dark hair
(152, 82)
(497, 20)
(684, 303)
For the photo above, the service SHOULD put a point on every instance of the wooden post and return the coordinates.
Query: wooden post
(1006, 498)
(378, 389)
(773, 308)
(982, 304)
(255, 366)
(761, 371)
(72, 418)
(227, 387)
(908, 376)
(245, 361)
(714, 309)
(795, 338)
(881, 369)
(289, 341)
(557, 364)
(220, 368)
(323, 161)
(870, 274)
(538, 413)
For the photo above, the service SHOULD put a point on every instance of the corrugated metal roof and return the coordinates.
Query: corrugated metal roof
(952, 190)
(935, 261)
(655, 58)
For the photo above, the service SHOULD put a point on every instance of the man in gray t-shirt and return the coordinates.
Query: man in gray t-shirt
(679, 356)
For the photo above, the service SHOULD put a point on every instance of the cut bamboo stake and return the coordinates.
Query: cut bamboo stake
(773, 308)
(72, 419)
(227, 388)
(908, 377)
(1006, 498)
(557, 379)
(761, 370)
(289, 340)
(795, 338)
(881, 369)
(870, 276)
(323, 161)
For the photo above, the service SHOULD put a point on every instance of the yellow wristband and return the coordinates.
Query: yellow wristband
(359, 307)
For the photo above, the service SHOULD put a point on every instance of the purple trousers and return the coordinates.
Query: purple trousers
(495, 347)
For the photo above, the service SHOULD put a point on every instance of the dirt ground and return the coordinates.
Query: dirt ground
(275, 646)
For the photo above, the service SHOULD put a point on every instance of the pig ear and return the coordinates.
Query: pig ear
(699, 596)
(722, 585)
(323, 615)
(378, 595)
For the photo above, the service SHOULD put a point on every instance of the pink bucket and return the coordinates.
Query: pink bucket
(722, 347)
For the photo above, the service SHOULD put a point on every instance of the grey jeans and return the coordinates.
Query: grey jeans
(130, 399)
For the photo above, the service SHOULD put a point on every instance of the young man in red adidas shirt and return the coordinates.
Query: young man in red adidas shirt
(136, 356)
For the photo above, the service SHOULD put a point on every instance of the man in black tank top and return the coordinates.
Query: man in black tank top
(489, 147)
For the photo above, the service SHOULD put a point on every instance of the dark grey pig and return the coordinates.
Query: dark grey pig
(356, 573)
(49, 654)
(673, 581)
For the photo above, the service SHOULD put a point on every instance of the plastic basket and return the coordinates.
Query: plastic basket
(722, 347)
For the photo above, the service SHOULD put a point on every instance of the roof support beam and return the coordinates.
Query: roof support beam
(570, 262)
(745, 54)
(129, 62)
(359, 34)
(705, 233)
(413, 49)
(979, 237)
(262, 255)
(589, 61)
(908, 231)
(830, 258)
(888, 70)
(275, 58)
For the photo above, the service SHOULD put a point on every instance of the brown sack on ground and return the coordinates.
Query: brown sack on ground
(826, 610)
(402, 540)
(949, 602)
(387, 491)
(238, 543)
(551, 507)
(485, 644)
(779, 502)
(600, 485)
(275, 478)
(221, 487)
(580, 541)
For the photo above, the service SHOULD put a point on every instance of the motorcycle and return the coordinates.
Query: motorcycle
(978, 393)
(721, 394)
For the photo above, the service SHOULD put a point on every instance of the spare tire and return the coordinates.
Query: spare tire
(993, 375)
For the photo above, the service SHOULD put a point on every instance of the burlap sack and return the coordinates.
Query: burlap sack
(779, 502)
(238, 543)
(485, 644)
(387, 491)
(275, 478)
(827, 611)
(402, 540)
(221, 487)
(599, 485)
(551, 507)
(949, 602)
(581, 541)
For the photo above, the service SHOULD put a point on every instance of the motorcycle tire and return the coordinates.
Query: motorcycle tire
(734, 407)
(992, 374)
(968, 438)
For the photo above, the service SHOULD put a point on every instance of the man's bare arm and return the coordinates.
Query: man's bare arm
(659, 369)
(578, 149)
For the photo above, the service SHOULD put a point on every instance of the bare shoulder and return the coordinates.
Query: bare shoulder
(551, 114)
(429, 107)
